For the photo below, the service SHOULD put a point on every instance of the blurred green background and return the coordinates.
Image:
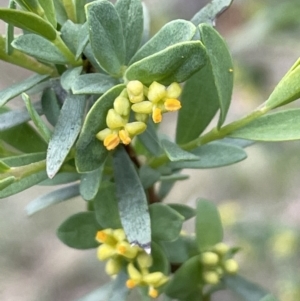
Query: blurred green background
(259, 198)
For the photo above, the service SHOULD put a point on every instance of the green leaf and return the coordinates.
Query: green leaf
(175, 153)
(49, 10)
(174, 32)
(278, 126)
(79, 231)
(249, 291)
(174, 64)
(186, 211)
(131, 15)
(90, 152)
(37, 120)
(17, 88)
(174, 177)
(209, 229)
(69, 76)
(106, 36)
(61, 178)
(221, 67)
(25, 159)
(65, 132)
(10, 31)
(148, 176)
(70, 35)
(200, 103)
(160, 261)
(29, 22)
(90, 183)
(164, 217)
(106, 206)
(6, 182)
(60, 12)
(94, 83)
(79, 10)
(52, 198)
(212, 155)
(43, 49)
(211, 11)
(4, 167)
(185, 280)
(83, 39)
(51, 105)
(31, 5)
(132, 201)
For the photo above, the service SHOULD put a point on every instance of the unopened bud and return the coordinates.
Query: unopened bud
(231, 266)
(144, 107)
(122, 106)
(135, 128)
(156, 92)
(135, 90)
(114, 120)
(209, 258)
(172, 104)
(103, 134)
(174, 90)
(211, 277)
(113, 266)
(144, 260)
(221, 248)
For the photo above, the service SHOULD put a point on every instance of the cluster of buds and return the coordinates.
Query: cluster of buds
(143, 102)
(119, 253)
(217, 262)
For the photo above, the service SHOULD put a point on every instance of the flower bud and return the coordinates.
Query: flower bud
(155, 279)
(122, 105)
(124, 136)
(172, 104)
(211, 277)
(103, 134)
(141, 117)
(144, 260)
(135, 128)
(221, 248)
(174, 90)
(135, 90)
(156, 92)
(144, 107)
(105, 251)
(209, 258)
(111, 141)
(231, 266)
(156, 115)
(114, 120)
(133, 273)
(113, 266)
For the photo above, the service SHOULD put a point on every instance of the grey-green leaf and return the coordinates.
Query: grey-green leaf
(51, 105)
(83, 39)
(131, 15)
(60, 12)
(106, 36)
(69, 76)
(132, 200)
(211, 11)
(209, 230)
(43, 49)
(214, 154)
(221, 66)
(28, 21)
(278, 126)
(70, 35)
(174, 32)
(174, 64)
(18, 88)
(186, 211)
(10, 31)
(65, 133)
(94, 83)
(49, 10)
(52, 198)
(175, 153)
(90, 152)
(148, 176)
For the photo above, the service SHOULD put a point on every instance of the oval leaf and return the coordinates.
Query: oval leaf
(90, 152)
(160, 261)
(186, 211)
(173, 64)
(49, 10)
(79, 231)
(106, 36)
(209, 229)
(51, 106)
(132, 201)
(279, 126)
(65, 132)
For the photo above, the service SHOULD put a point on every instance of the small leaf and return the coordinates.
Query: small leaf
(174, 32)
(79, 10)
(106, 36)
(79, 231)
(37, 120)
(278, 126)
(221, 67)
(211, 11)
(60, 12)
(94, 83)
(160, 261)
(174, 177)
(49, 10)
(70, 35)
(175, 153)
(174, 64)
(28, 21)
(90, 183)
(51, 105)
(186, 211)
(148, 176)
(18, 88)
(6, 182)
(185, 280)
(164, 217)
(212, 155)
(90, 152)
(52, 198)
(106, 206)
(209, 229)
(43, 49)
(131, 15)
(65, 133)
(69, 76)
(83, 39)
(249, 291)
(132, 201)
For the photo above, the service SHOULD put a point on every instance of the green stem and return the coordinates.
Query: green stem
(214, 134)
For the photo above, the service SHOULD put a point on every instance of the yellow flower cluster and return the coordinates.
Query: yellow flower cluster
(142, 101)
(216, 262)
(118, 252)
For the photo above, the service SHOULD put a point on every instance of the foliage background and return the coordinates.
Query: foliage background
(259, 198)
